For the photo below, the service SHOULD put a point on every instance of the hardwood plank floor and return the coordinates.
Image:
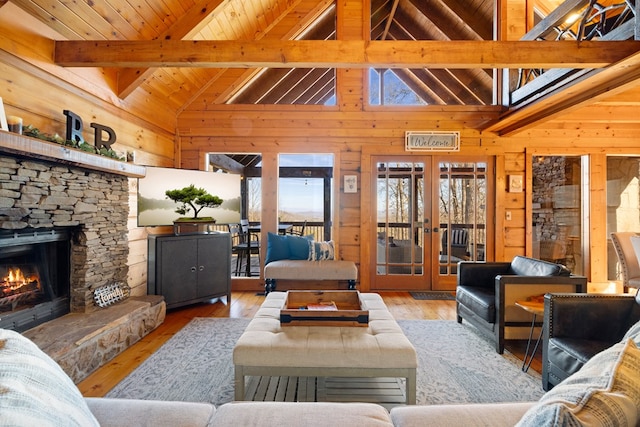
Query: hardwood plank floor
(244, 304)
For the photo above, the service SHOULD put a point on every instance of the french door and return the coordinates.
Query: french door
(430, 213)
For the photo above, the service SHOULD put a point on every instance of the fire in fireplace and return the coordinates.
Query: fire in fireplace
(34, 277)
(17, 287)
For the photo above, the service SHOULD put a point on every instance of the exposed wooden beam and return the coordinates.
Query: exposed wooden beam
(598, 85)
(226, 163)
(387, 25)
(343, 54)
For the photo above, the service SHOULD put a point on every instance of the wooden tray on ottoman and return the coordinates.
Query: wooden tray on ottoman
(323, 308)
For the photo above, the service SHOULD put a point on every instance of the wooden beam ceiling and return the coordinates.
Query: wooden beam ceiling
(342, 54)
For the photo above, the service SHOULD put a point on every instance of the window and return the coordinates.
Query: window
(305, 193)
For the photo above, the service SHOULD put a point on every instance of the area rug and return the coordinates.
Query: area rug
(446, 296)
(456, 365)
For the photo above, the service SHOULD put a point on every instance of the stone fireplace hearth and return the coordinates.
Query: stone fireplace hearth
(40, 193)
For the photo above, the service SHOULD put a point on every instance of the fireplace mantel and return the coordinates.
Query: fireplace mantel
(26, 146)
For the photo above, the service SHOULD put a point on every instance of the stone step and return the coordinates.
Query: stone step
(82, 342)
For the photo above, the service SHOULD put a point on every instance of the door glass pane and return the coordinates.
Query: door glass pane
(462, 213)
(623, 204)
(400, 212)
(557, 226)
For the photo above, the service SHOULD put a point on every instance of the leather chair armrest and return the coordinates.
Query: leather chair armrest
(603, 317)
(480, 274)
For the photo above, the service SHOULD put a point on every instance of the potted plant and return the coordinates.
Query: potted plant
(196, 199)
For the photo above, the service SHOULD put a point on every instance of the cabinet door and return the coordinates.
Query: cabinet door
(214, 261)
(178, 269)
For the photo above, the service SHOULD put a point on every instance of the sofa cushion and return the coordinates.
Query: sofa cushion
(524, 266)
(277, 248)
(301, 414)
(482, 301)
(605, 392)
(34, 390)
(467, 415)
(135, 412)
(570, 354)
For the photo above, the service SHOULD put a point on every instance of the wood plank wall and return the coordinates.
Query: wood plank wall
(37, 90)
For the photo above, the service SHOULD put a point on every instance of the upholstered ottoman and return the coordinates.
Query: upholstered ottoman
(378, 350)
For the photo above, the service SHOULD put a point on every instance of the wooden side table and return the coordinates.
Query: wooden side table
(535, 306)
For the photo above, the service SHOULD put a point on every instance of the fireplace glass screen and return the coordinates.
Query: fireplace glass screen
(34, 277)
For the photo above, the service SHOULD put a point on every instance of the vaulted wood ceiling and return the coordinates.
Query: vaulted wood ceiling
(272, 20)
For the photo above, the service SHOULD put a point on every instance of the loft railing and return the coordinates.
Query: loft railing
(578, 20)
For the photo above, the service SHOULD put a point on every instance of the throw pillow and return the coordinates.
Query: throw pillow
(34, 390)
(604, 392)
(277, 248)
(321, 251)
(299, 247)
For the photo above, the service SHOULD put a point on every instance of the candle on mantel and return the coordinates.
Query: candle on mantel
(15, 124)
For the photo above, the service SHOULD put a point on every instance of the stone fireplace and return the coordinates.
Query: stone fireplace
(48, 189)
(94, 206)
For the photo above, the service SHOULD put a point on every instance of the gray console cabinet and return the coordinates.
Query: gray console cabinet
(187, 269)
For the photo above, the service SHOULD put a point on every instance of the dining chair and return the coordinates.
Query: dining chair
(244, 244)
(629, 266)
(252, 240)
(299, 232)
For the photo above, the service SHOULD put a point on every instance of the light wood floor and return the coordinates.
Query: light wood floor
(244, 304)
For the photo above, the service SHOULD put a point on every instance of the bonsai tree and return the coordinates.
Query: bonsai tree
(193, 198)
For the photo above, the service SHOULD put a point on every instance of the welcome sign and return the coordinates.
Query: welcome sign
(432, 141)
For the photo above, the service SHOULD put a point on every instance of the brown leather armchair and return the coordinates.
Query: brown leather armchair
(578, 326)
(486, 292)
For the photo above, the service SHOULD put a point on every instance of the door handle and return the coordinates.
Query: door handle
(436, 230)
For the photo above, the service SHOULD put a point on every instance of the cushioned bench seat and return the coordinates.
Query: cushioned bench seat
(294, 269)
(379, 350)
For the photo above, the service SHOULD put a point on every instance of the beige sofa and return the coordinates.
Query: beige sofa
(121, 412)
(606, 391)
(35, 391)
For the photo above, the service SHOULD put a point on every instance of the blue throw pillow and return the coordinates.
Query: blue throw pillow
(277, 248)
(299, 246)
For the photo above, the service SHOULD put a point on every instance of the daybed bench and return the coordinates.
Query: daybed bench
(292, 269)
(302, 259)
